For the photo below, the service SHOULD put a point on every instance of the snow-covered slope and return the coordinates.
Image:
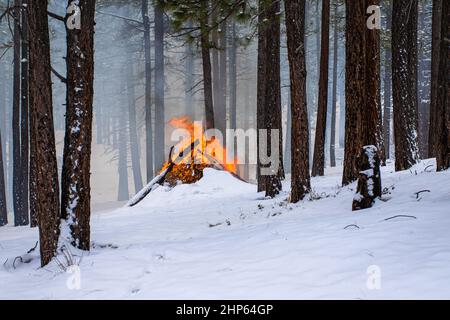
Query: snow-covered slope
(219, 239)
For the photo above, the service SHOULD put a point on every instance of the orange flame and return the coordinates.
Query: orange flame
(209, 150)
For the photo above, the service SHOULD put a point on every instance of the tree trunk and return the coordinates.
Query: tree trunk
(295, 28)
(44, 187)
(387, 95)
(75, 184)
(159, 88)
(435, 53)
(354, 84)
(404, 82)
(288, 144)
(3, 207)
(20, 216)
(321, 124)
(233, 77)
(148, 93)
(261, 88)
(272, 98)
(221, 114)
(206, 62)
(334, 90)
(132, 128)
(442, 137)
(189, 74)
(372, 125)
(423, 85)
(123, 192)
(24, 118)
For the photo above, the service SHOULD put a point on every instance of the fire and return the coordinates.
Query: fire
(201, 150)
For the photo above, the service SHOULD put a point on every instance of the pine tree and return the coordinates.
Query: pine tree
(272, 99)
(159, 87)
(295, 28)
(148, 91)
(404, 82)
(442, 137)
(321, 124)
(75, 177)
(44, 188)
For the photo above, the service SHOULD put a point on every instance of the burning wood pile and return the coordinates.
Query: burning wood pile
(195, 153)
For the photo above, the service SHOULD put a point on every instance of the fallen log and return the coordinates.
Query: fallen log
(160, 178)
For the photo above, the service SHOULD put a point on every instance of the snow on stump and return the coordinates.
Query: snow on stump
(369, 180)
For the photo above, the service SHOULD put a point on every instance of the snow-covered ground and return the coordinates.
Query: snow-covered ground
(219, 239)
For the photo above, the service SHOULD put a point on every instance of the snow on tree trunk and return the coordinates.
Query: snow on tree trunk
(369, 181)
(75, 184)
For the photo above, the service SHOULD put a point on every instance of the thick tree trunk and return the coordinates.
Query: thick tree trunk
(3, 207)
(334, 90)
(148, 93)
(159, 88)
(132, 128)
(273, 99)
(288, 144)
(355, 54)
(423, 84)
(295, 28)
(321, 124)
(44, 187)
(442, 137)
(75, 184)
(435, 54)
(24, 118)
(206, 63)
(404, 82)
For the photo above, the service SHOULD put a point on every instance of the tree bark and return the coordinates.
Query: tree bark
(44, 177)
(233, 77)
(75, 184)
(159, 87)
(261, 88)
(295, 28)
(355, 53)
(404, 81)
(148, 93)
(442, 137)
(321, 124)
(435, 54)
(272, 98)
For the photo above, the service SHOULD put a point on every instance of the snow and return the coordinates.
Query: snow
(220, 239)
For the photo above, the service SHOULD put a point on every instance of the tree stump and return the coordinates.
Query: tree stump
(369, 180)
